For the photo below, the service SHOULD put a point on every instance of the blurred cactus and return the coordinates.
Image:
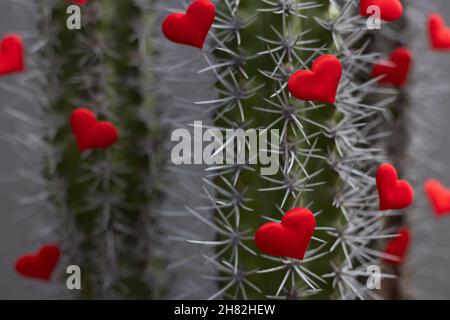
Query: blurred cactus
(329, 154)
(394, 125)
(102, 204)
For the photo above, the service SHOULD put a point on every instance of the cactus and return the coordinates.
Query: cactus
(328, 153)
(102, 203)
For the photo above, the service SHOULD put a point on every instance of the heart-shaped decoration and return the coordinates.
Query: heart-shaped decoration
(320, 84)
(397, 248)
(395, 71)
(438, 32)
(79, 2)
(390, 10)
(438, 196)
(41, 265)
(290, 238)
(11, 55)
(90, 133)
(191, 28)
(394, 194)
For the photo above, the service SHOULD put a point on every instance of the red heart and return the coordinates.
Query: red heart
(438, 33)
(439, 197)
(396, 70)
(11, 55)
(320, 84)
(39, 266)
(80, 2)
(290, 238)
(398, 247)
(191, 28)
(90, 133)
(390, 10)
(394, 194)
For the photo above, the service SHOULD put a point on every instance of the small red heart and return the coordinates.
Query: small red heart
(11, 55)
(320, 84)
(191, 28)
(438, 32)
(90, 133)
(438, 196)
(394, 194)
(396, 70)
(290, 238)
(390, 10)
(398, 247)
(79, 2)
(39, 266)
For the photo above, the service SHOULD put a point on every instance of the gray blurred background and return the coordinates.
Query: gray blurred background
(428, 155)
(16, 225)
